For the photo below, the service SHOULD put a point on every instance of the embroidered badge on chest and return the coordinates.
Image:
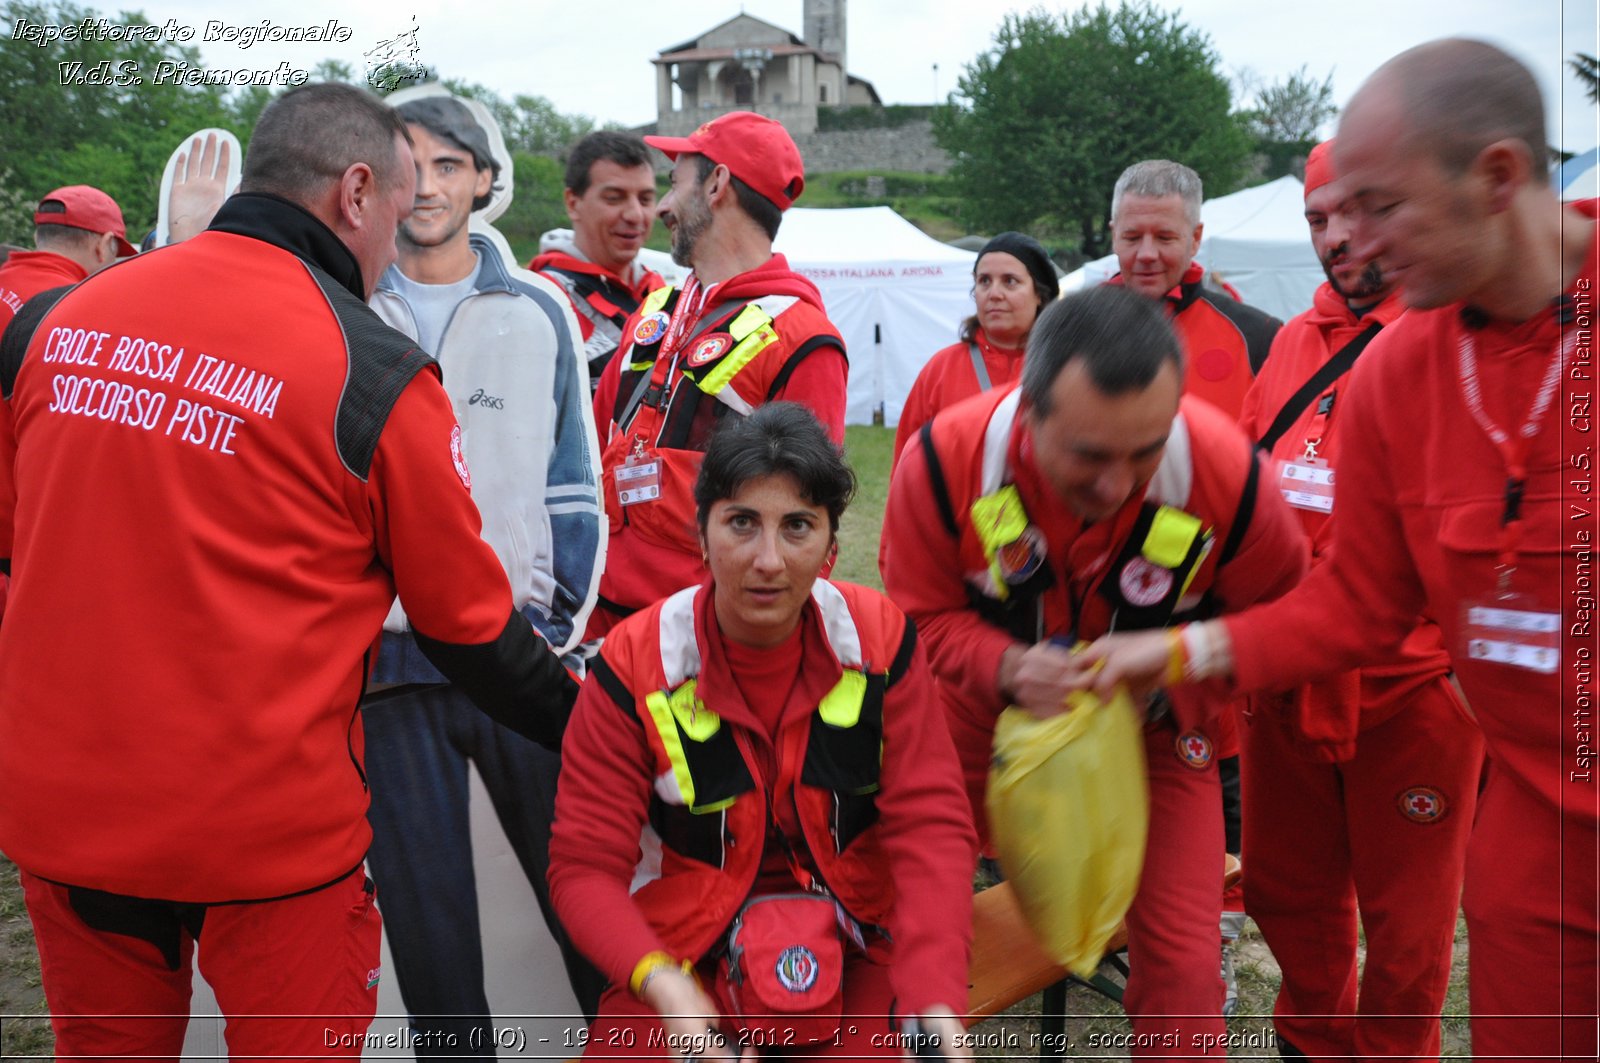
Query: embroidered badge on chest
(1020, 559)
(649, 329)
(1144, 584)
(710, 349)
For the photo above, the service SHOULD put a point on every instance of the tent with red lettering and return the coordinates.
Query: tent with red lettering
(896, 295)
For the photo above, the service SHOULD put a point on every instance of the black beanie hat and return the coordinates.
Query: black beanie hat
(1031, 254)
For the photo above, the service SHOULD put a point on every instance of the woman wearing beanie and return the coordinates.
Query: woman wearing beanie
(1012, 281)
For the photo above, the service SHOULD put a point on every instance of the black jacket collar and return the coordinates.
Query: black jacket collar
(277, 221)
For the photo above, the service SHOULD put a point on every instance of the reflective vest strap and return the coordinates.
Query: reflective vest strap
(998, 520)
(699, 751)
(1174, 477)
(743, 353)
(838, 624)
(680, 653)
(841, 706)
(655, 300)
(1172, 532)
(1163, 540)
(997, 441)
(680, 791)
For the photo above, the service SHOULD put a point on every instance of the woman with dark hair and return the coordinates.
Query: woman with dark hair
(1012, 282)
(761, 835)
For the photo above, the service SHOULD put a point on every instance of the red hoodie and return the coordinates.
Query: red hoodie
(786, 350)
(1421, 495)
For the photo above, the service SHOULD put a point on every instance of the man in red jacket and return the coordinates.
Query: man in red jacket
(744, 330)
(1155, 231)
(1359, 787)
(611, 200)
(1091, 498)
(78, 230)
(1466, 494)
(224, 449)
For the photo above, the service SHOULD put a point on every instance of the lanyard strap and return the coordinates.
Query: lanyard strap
(979, 370)
(1513, 447)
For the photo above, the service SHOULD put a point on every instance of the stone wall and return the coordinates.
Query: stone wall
(907, 149)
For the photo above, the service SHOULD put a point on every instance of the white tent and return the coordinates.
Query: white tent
(895, 294)
(1256, 240)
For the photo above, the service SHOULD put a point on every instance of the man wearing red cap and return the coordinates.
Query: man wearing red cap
(78, 230)
(1356, 788)
(742, 331)
(1465, 492)
(1155, 231)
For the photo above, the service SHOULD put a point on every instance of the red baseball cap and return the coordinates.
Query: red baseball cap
(1319, 166)
(755, 149)
(85, 207)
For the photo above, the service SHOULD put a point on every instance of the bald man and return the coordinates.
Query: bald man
(1465, 494)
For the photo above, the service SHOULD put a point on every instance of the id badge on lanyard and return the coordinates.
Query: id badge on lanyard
(1307, 482)
(639, 476)
(1511, 629)
(1504, 626)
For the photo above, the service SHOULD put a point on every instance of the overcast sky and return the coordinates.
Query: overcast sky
(594, 58)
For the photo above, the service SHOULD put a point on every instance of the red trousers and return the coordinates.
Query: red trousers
(1532, 931)
(296, 978)
(1174, 993)
(1381, 837)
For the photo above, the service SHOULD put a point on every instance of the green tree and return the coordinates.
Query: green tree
(88, 111)
(1286, 120)
(1041, 124)
(528, 123)
(1291, 111)
(1587, 68)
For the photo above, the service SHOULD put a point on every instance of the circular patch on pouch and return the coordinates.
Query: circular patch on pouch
(797, 968)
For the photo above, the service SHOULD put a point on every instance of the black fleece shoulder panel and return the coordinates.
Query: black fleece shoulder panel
(1256, 326)
(517, 680)
(902, 657)
(14, 344)
(381, 362)
(612, 684)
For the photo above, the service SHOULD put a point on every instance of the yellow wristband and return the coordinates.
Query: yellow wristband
(1177, 656)
(653, 963)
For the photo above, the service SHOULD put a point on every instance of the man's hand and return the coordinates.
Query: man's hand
(947, 1028)
(1141, 660)
(1148, 660)
(199, 185)
(1037, 678)
(691, 1019)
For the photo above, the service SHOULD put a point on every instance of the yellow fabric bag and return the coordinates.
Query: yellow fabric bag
(1069, 811)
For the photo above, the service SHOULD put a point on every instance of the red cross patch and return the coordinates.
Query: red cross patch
(1194, 749)
(1144, 584)
(710, 349)
(1422, 804)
